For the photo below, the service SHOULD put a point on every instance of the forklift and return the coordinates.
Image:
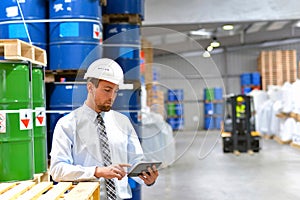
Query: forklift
(238, 133)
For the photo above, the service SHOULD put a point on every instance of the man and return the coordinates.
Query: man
(240, 107)
(78, 153)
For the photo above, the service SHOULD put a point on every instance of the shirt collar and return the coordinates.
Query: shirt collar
(92, 114)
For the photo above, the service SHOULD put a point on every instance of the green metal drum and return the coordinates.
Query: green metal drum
(16, 145)
(171, 109)
(39, 130)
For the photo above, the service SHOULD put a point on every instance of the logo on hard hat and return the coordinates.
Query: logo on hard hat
(106, 69)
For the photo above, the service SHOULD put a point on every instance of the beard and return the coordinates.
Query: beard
(104, 108)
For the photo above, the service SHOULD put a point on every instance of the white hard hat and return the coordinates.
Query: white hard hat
(105, 69)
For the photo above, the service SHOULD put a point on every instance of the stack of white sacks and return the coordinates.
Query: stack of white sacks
(278, 99)
(158, 142)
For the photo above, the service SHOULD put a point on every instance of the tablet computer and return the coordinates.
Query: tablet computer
(138, 168)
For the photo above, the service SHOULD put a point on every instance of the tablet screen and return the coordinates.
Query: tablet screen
(138, 168)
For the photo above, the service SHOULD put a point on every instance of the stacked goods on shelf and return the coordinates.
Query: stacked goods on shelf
(150, 76)
(213, 108)
(277, 67)
(122, 43)
(147, 54)
(75, 41)
(155, 100)
(175, 109)
(249, 82)
(22, 112)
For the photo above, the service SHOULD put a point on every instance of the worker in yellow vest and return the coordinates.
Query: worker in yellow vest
(240, 107)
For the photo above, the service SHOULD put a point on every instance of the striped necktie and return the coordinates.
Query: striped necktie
(110, 185)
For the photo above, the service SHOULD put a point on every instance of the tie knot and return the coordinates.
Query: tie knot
(100, 119)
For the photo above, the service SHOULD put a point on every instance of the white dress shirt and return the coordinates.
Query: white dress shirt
(76, 149)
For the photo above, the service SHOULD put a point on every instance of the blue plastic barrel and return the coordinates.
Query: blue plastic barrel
(218, 108)
(12, 26)
(171, 95)
(246, 90)
(255, 78)
(128, 100)
(208, 123)
(125, 7)
(180, 123)
(86, 9)
(135, 119)
(74, 45)
(179, 94)
(245, 79)
(122, 34)
(218, 93)
(62, 97)
(135, 189)
(66, 95)
(122, 44)
(76, 39)
(217, 122)
(179, 109)
(173, 123)
(208, 108)
(130, 67)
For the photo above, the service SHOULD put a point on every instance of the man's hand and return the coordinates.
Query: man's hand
(150, 177)
(112, 171)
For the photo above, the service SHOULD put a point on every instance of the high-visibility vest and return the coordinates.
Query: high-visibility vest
(240, 110)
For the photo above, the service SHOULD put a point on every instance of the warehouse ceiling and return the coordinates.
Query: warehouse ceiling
(173, 25)
(164, 36)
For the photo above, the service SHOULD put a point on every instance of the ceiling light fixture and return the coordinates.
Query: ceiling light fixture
(206, 54)
(215, 43)
(209, 48)
(201, 32)
(228, 27)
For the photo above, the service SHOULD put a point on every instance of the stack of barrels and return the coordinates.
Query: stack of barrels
(23, 149)
(75, 41)
(213, 108)
(72, 38)
(122, 43)
(250, 81)
(175, 108)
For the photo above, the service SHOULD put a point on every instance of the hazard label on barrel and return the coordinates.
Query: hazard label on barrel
(40, 116)
(25, 119)
(2, 122)
(97, 34)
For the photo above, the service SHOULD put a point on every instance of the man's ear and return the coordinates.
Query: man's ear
(90, 87)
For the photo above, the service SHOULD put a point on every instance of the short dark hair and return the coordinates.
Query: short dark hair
(94, 81)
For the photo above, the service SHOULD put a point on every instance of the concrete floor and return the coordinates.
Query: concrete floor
(202, 171)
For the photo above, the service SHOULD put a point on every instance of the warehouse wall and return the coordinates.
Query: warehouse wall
(193, 73)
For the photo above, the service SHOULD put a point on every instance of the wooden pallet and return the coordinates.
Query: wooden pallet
(295, 145)
(121, 18)
(279, 141)
(41, 177)
(56, 75)
(28, 190)
(268, 137)
(18, 50)
(103, 2)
